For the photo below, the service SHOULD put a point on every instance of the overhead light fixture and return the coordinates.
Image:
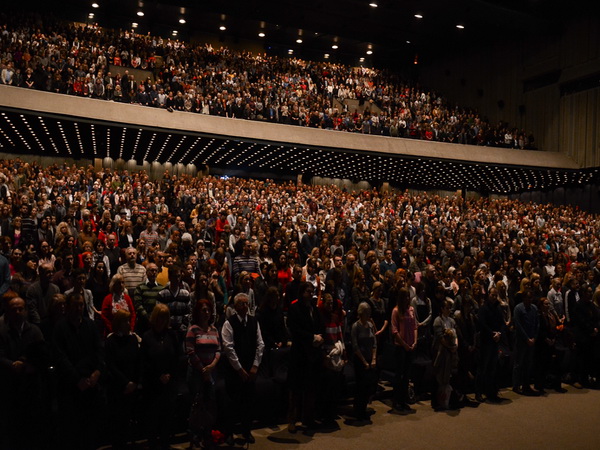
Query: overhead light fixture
(290, 51)
(369, 52)
(182, 21)
(373, 5)
(95, 5)
(175, 32)
(419, 16)
(91, 15)
(334, 46)
(134, 25)
(408, 42)
(298, 41)
(261, 34)
(222, 28)
(362, 59)
(462, 27)
(140, 13)
(326, 56)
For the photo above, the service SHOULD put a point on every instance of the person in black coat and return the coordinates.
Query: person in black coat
(123, 366)
(491, 326)
(307, 330)
(160, 356)
(23, 360)
(80, 363)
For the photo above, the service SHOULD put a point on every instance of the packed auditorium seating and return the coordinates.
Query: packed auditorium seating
(465, 296)
(74, 59)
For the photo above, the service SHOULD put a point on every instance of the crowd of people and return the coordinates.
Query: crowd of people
(68, 58)
(118, 289)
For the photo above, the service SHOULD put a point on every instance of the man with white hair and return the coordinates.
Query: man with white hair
(244, 346)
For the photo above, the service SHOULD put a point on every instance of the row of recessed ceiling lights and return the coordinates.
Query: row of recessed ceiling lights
(498, 179)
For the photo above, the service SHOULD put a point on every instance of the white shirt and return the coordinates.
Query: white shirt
(228, 344)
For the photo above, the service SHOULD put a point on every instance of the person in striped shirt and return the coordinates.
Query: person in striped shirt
(203, 349)
(149, 235)
(133, 273)
(145, 297)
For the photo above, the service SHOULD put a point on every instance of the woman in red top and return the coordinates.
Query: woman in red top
(115, 301)
(284, 272)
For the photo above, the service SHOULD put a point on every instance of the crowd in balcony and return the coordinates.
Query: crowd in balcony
(122, 294)
(76, 59)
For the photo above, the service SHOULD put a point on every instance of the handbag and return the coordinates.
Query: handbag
(333, 358)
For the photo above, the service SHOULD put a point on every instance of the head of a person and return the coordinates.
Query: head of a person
(75, 305)
(131, 256)
(16, 311)
(121, 323)
(79, 277)
(151, 272)
(364, 311)
(241, 304)
(306, 292)
(202, 314)
(58, 306)
(117, 284)
(46, 272)
(174, 275)
(160, 318)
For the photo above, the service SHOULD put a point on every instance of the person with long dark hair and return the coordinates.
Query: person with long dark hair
(203, 349)
(404, 332)
(307, 330)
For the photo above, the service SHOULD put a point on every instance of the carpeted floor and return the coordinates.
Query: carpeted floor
(555, 421)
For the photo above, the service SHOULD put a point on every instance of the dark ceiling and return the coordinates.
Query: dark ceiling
(391, 30)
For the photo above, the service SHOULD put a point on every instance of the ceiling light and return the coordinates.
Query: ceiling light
(419, 16)
(334, 46)
(134, 25)
(298, 41)
(95, 5)
(373, 5)
(326, 56)
(462, 27)
(91, 15)
(222, 28)
(369, 52)
(290, 51)
(182, 21)
(175, 32)
(261, 34)
(140, 13)
(362, 60)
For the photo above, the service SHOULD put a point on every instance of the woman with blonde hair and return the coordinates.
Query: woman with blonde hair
(117, 300)
(160, 358)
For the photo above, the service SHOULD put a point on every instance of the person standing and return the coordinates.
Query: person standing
(133, 273)
(243, 346)
(203, 349)
(445, 352)
(79, 362)
(307, 330)
(491, 325)
(23, 355)
(145, 297)
(527, 324)
(364, 345)
(404, 332)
